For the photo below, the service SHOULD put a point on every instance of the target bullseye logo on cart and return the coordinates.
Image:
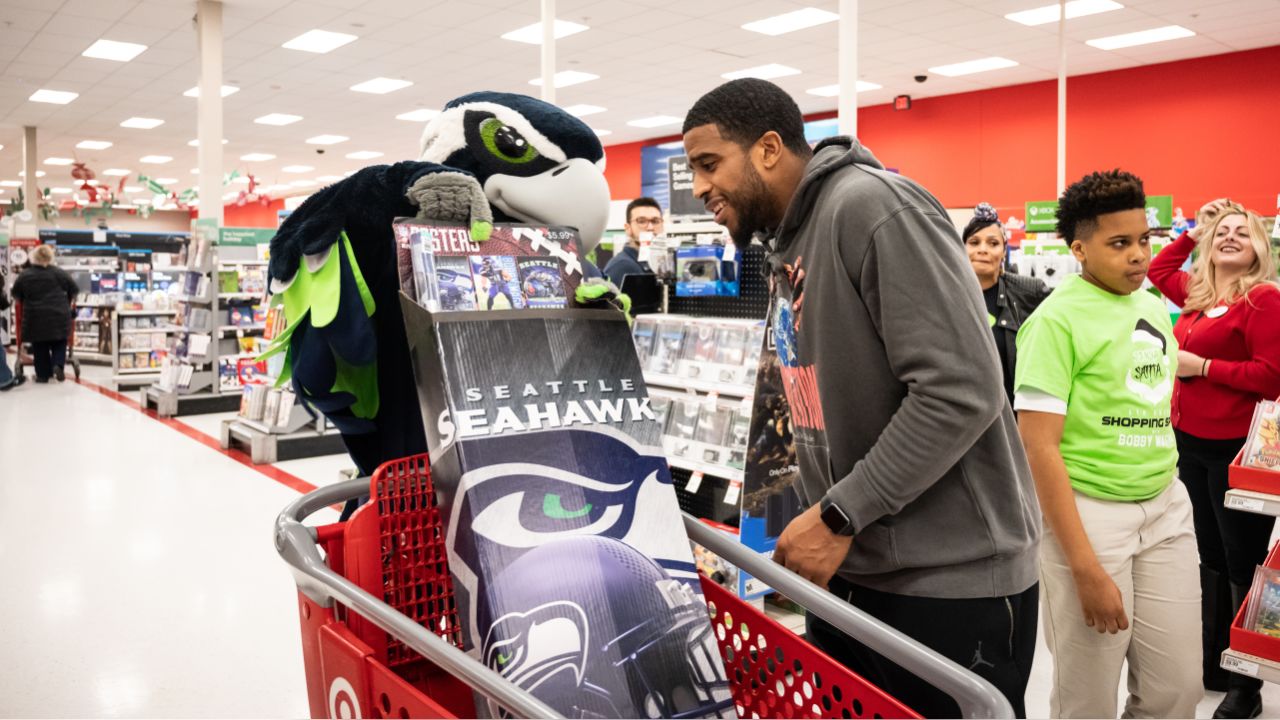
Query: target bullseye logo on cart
(342, 700)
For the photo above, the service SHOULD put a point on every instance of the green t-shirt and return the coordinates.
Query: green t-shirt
(1113, 359)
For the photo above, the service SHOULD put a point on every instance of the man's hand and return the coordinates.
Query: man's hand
(1189, 364)
(807, 548)
(1101, 602)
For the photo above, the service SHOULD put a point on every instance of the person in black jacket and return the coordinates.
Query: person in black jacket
(1011, 298)
(46, 292)
(7, 379)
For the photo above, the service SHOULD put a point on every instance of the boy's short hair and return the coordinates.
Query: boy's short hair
(642, 202)
(1097, 194)
(747, 108)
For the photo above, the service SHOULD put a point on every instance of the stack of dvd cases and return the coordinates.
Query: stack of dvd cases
(716, 351)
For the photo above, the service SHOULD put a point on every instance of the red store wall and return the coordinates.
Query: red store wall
(254, 215)
(1196, 129)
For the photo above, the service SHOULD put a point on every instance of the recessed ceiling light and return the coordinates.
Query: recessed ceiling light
(142, 123)
(327, 139)
(792, 21)
(93, 144)
(195, 171)
(226, 90)
(973, 66)
(762, 72)
(116, 172)
(297, 168)
(655, 121)
(196, 142)
(60, 191)
(166, 181)
(381, 86)
(1051, 13)
(364, 155)
(55, 97)
(23, 173)
(113, 50)
(57, 161)
(241, 179)
(567, 78)
(584, 110)
(834, 90)
(257, 157)
(302, 183)
(601, 132)
(418, 115)
(532, 34)
(155, 159)
(10, 183)
(329, 178)
(1142, 37)
(319, 41)
(277, 119)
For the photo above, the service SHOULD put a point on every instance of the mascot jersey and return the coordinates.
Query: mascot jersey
(487, 157)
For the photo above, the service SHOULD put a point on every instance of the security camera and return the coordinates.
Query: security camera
(319, 151)
(921, 78)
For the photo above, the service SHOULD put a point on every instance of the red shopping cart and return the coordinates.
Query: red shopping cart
(380, 632)
(17, 335)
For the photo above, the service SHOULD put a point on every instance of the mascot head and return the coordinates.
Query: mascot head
(536, 163)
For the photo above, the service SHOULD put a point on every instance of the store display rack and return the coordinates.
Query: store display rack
(1248, 494)
(303, 437)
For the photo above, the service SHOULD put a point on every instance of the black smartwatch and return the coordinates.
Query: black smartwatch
(834, 518)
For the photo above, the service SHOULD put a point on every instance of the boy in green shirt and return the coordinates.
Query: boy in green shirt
(1119, 566)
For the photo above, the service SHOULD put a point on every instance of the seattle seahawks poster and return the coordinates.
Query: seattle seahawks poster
(572, 570)
(454, 286)
(541, 284)
(496, 282)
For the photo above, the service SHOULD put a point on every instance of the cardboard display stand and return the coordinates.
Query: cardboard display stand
(573, 573)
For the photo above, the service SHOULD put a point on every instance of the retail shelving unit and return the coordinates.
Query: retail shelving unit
(302, 437)
(1234, 660)
(128, 324)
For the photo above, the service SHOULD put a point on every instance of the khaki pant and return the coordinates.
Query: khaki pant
(1149, 549)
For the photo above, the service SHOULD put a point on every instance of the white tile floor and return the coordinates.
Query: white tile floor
(140, 573)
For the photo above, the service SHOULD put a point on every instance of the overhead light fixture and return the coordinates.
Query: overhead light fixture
(58, 161)
(302, 183)
(418, 115)
(1051, 13)
(364, 155)
(319, 41)
(601, 132)
(166, 181)
(297, 168)
(257, 157)
(93, 144)
(584, 110)
(196, 143)
(39, 173)
(381, 86)
(117, 172)
(329, 178)
(792, 21)
(762, 72)
(55, 97)
(60, 191)
(834, 90)
(655, 121)
(532, 34)
(155, 159)
(973, 66)
(241, 179)
(10, 183)
(113, 50)
(567, 78)
(195, 171)
(226, 90)
(1142, 37)
(142, 123)
(277, 119)
(327, 139)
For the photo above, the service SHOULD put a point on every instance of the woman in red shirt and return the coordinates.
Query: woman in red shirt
(1229, 335)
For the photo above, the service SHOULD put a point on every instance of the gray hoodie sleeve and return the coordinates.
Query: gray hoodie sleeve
(922, 296)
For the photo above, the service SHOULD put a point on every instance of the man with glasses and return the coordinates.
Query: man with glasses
(644, 216)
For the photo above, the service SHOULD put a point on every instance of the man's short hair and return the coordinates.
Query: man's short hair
(642, 202)
(748, 108)
(1097, 194)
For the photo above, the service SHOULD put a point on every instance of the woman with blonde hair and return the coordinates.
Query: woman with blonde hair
(46, 292)
(1229, 335)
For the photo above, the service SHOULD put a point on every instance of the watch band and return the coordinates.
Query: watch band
(834, 518)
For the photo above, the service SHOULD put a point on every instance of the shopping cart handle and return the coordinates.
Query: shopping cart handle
(976, 697)
(296, 543)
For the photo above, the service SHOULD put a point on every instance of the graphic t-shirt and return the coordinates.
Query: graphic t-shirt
(1112, 358)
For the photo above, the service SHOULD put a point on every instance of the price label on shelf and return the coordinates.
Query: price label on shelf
(695, 482)
(1239, 665)
(735, 490)
(1236, 502)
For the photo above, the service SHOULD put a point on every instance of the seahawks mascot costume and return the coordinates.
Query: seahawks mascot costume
(488, 157)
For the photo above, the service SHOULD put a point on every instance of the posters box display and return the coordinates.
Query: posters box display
(573, 574)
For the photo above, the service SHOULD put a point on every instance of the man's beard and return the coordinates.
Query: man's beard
(751, 205)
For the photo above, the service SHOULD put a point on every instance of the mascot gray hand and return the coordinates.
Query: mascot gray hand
(453, 197)
(600, 293)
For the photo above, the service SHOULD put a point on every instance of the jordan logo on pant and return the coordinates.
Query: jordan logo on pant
(978, 659)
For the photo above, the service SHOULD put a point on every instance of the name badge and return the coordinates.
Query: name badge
(1217, 312)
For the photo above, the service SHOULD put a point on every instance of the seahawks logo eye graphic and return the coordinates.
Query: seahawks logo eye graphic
(530, 647)
(552, 503)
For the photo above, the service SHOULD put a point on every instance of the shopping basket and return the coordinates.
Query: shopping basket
(380, 634)
(17, 336)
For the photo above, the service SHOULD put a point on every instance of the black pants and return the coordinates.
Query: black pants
(993, 637)
(47, 356)
(1231, 542)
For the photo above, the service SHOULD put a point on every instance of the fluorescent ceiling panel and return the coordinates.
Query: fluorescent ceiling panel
(319, 41)
(973, 66)
(93, 144)
(532, 34)
(834, 90)
(567, 78)
(116, 172)
(1142, 37)
(583, 110)
(418, 115)
(112, 50)
(278, 119)
(1051, 13)
(297, 168)
(142, 123)
(655, 121)
(364, 155)
(155, 159)
(257, 157)
(58, 161)
(327, 139)
(381, 86)
(54, 97)
(763, 72)
(226, 90)
(792, 21)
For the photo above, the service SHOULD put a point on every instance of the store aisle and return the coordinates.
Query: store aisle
(141, 572)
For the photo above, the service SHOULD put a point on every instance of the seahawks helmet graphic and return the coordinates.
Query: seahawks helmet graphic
(567, 595)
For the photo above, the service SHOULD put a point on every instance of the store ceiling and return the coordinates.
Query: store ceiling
(653, 57)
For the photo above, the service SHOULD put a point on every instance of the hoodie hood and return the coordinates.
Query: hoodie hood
(828, 156)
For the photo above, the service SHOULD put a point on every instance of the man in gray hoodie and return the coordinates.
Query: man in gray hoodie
(922, 510)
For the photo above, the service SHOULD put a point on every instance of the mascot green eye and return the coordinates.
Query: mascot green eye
(506, 143)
